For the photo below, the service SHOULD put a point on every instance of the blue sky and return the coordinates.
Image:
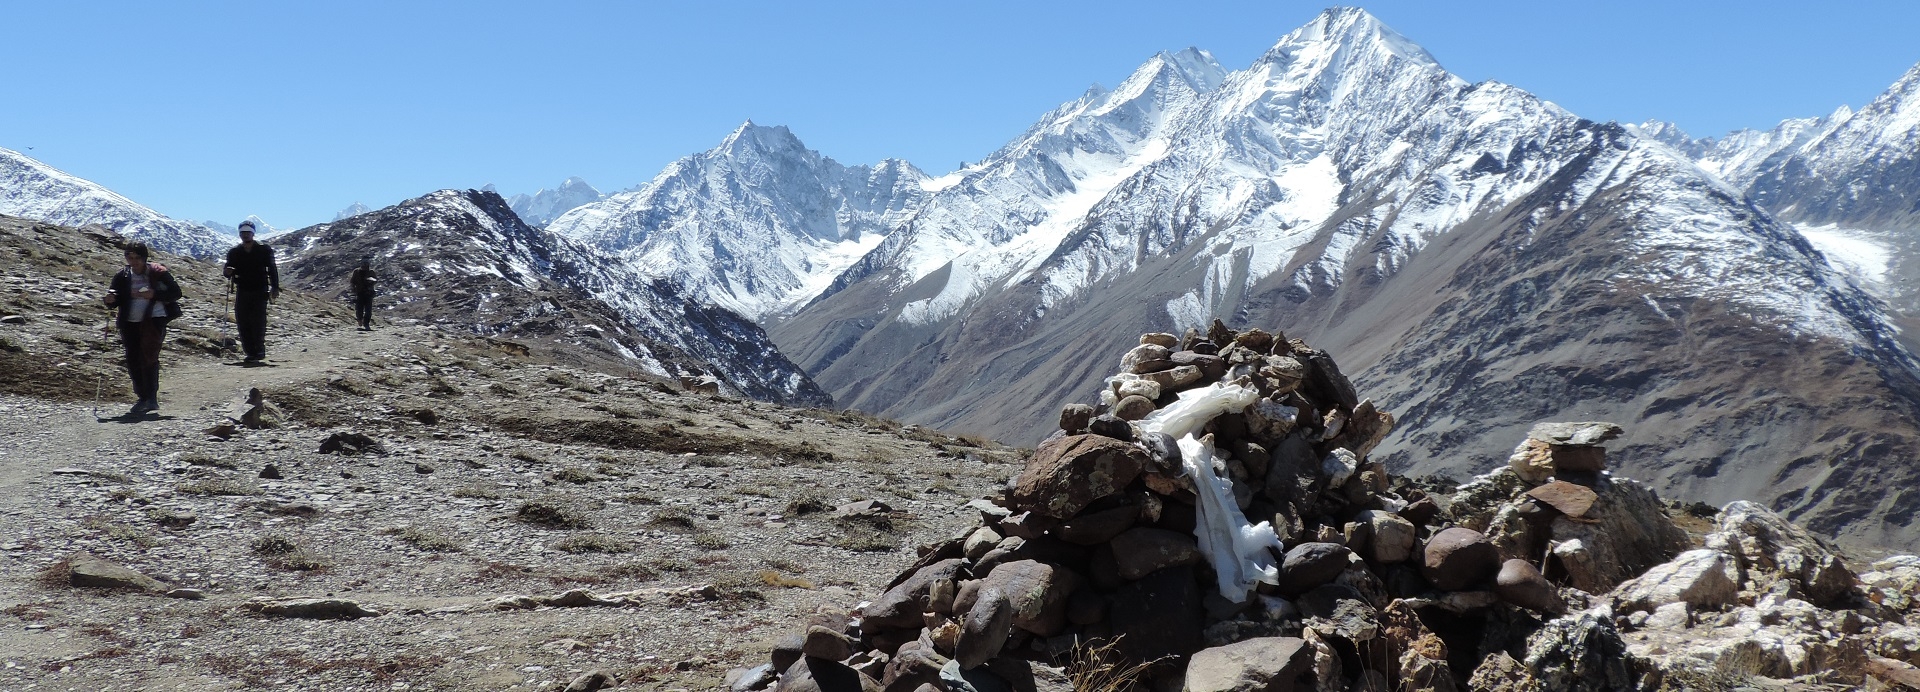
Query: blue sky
(292, 111)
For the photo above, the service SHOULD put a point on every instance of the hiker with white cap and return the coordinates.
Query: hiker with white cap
(256, 280)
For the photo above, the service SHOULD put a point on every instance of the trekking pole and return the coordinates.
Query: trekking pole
(100, 379)
(227, 330)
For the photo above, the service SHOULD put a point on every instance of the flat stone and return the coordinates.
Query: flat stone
(1175, 376)
(311, 608)
(1575, 434)
(1338, 610)
(1211, 366)
(862, 508)
(1099, 527)
(88, 570)
(1146, 358)
(1140, 551)
(1705, 579)
(1263, 664)
(1571, 499)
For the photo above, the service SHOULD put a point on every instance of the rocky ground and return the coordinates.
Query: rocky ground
(501, 520)
(1217, 525)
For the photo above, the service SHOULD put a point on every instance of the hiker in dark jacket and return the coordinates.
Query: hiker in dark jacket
(256, 280)
(147, 298)
(362, 282)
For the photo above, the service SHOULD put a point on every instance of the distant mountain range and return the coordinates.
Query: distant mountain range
(465, 260)
(1482, 258)
(542, 207)
(34, 190)
(759, 225)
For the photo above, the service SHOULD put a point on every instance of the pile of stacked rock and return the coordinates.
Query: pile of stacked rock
(1217, 521)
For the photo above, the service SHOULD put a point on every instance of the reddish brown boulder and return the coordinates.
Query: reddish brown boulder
(1458, 558)
(1068, 473)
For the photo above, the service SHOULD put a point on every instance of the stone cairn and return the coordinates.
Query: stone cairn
(1216, 524)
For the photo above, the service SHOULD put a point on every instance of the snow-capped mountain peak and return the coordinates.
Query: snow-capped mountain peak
(1339, 35)
(35, 190)
(542, 207)
(759, 224)
(260, 227)
(351, 211)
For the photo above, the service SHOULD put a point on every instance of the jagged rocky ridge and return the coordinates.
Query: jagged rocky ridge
(1118, 546)
(1486, 258)
(758, 225)
(463, 258)
(34, 190)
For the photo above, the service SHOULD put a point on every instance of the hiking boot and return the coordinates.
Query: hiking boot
(139, 407)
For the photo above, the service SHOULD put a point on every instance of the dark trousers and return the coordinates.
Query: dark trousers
(142, 341)
(363, 309)
(250, 317)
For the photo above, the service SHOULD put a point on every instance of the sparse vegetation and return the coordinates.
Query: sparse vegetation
(805, 505)
(424, 539)
(281, 552)
(121, 532)
(273, 545)
(672, 517)
(866, 534)
(200, 459)
(478, 491)
(772, 578)
(572, 475)
(218, 486)
(440, 387)
(712, 541)
(591, 543)
(553, 513)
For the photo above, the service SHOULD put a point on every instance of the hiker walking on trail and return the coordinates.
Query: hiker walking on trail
(362, 283)
(256, 280)
(147, 298)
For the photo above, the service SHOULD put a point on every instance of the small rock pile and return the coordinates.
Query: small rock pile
(1216, 524)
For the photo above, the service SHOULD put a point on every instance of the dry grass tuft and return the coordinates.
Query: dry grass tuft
(1101, 668)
